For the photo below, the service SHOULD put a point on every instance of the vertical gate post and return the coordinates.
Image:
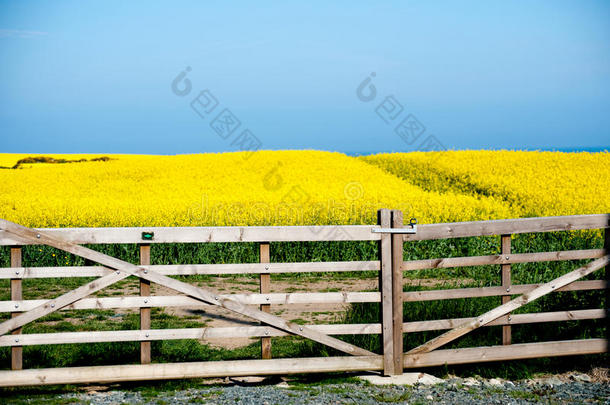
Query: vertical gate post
(385, 287)
(397, 287)
(506, 284)
(16, 295)
(607, 274)
(145, 349)
(265, 288)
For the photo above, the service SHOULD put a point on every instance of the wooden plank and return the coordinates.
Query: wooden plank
(195, 269)
(185, 301)
(294, 298)
(538, 317)
(145, 346)
(506, 283)
(384, 218)
(16, 295)
(444, 263)
(265, 288)
(164, 371)
(313, 233)
(397, 286)
(143, 372)
(475, 292)
(511, 306)
(607, 276)
(509, 226)
(265, 331)
(502, 353)
(202, 234)
(193, 291)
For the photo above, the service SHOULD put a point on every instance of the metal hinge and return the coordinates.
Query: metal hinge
(410, 228)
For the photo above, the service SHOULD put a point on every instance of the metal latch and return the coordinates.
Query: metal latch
(411, 227)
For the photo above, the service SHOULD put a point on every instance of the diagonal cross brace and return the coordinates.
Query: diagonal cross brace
(124, 269)
(510, 306)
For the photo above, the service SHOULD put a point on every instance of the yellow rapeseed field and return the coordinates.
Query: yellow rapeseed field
(299, 187)
(532, 183)
(264, 188)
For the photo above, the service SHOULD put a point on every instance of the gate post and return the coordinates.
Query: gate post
(397, 287)
(506, 283)
(16, 295)
(145, 346)
(385, 287)
(265, 288)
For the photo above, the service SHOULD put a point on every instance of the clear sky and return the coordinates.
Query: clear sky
(97, 76)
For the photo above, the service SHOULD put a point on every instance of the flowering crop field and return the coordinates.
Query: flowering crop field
(531, 183)
(298, 187)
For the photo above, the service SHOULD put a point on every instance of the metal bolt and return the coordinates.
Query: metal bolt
(266, 332)
(17, 340)
(52, 305)
(145, 271)
(267, 298)
(16, 305)
(552, 287)
(506, 257)
(146, 301)
(17, 273)
(266, 267)
(118, 272)
(510, 318)
(508, 289)
(38, 235)
(216, 298)
(301, 329)
(481, 320)
(147, 335)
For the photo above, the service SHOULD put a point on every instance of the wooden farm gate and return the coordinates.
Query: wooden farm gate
(391, 236)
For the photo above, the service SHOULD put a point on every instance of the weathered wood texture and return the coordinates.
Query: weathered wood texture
(265, 331)
(142, 372)
(512, 305)
(16, 295)
(506, 283)
(384, 220)
(313, 233)
(124, 269)
(265, 288)
(145, 347)
(501, 353)
(194, 269)
(397, 285)
(444, 263)
(82, 236)
(509, 226)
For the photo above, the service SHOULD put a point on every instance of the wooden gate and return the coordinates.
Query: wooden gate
(391, 236)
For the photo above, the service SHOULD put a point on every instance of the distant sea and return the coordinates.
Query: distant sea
(575, 149)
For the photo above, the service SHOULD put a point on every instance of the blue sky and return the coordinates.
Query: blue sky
(97, 76)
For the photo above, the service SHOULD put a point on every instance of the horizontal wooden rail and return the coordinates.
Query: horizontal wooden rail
(443, 263)
(185, 301)
(163, 371)
(159, 371)
(515, 289)
(203, 234)
(315, 233)
(509, 226)
(265, 331)
(518, 351)
(194, 269)
(293, 298)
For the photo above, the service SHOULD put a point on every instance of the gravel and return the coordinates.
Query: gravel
(451, 391)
